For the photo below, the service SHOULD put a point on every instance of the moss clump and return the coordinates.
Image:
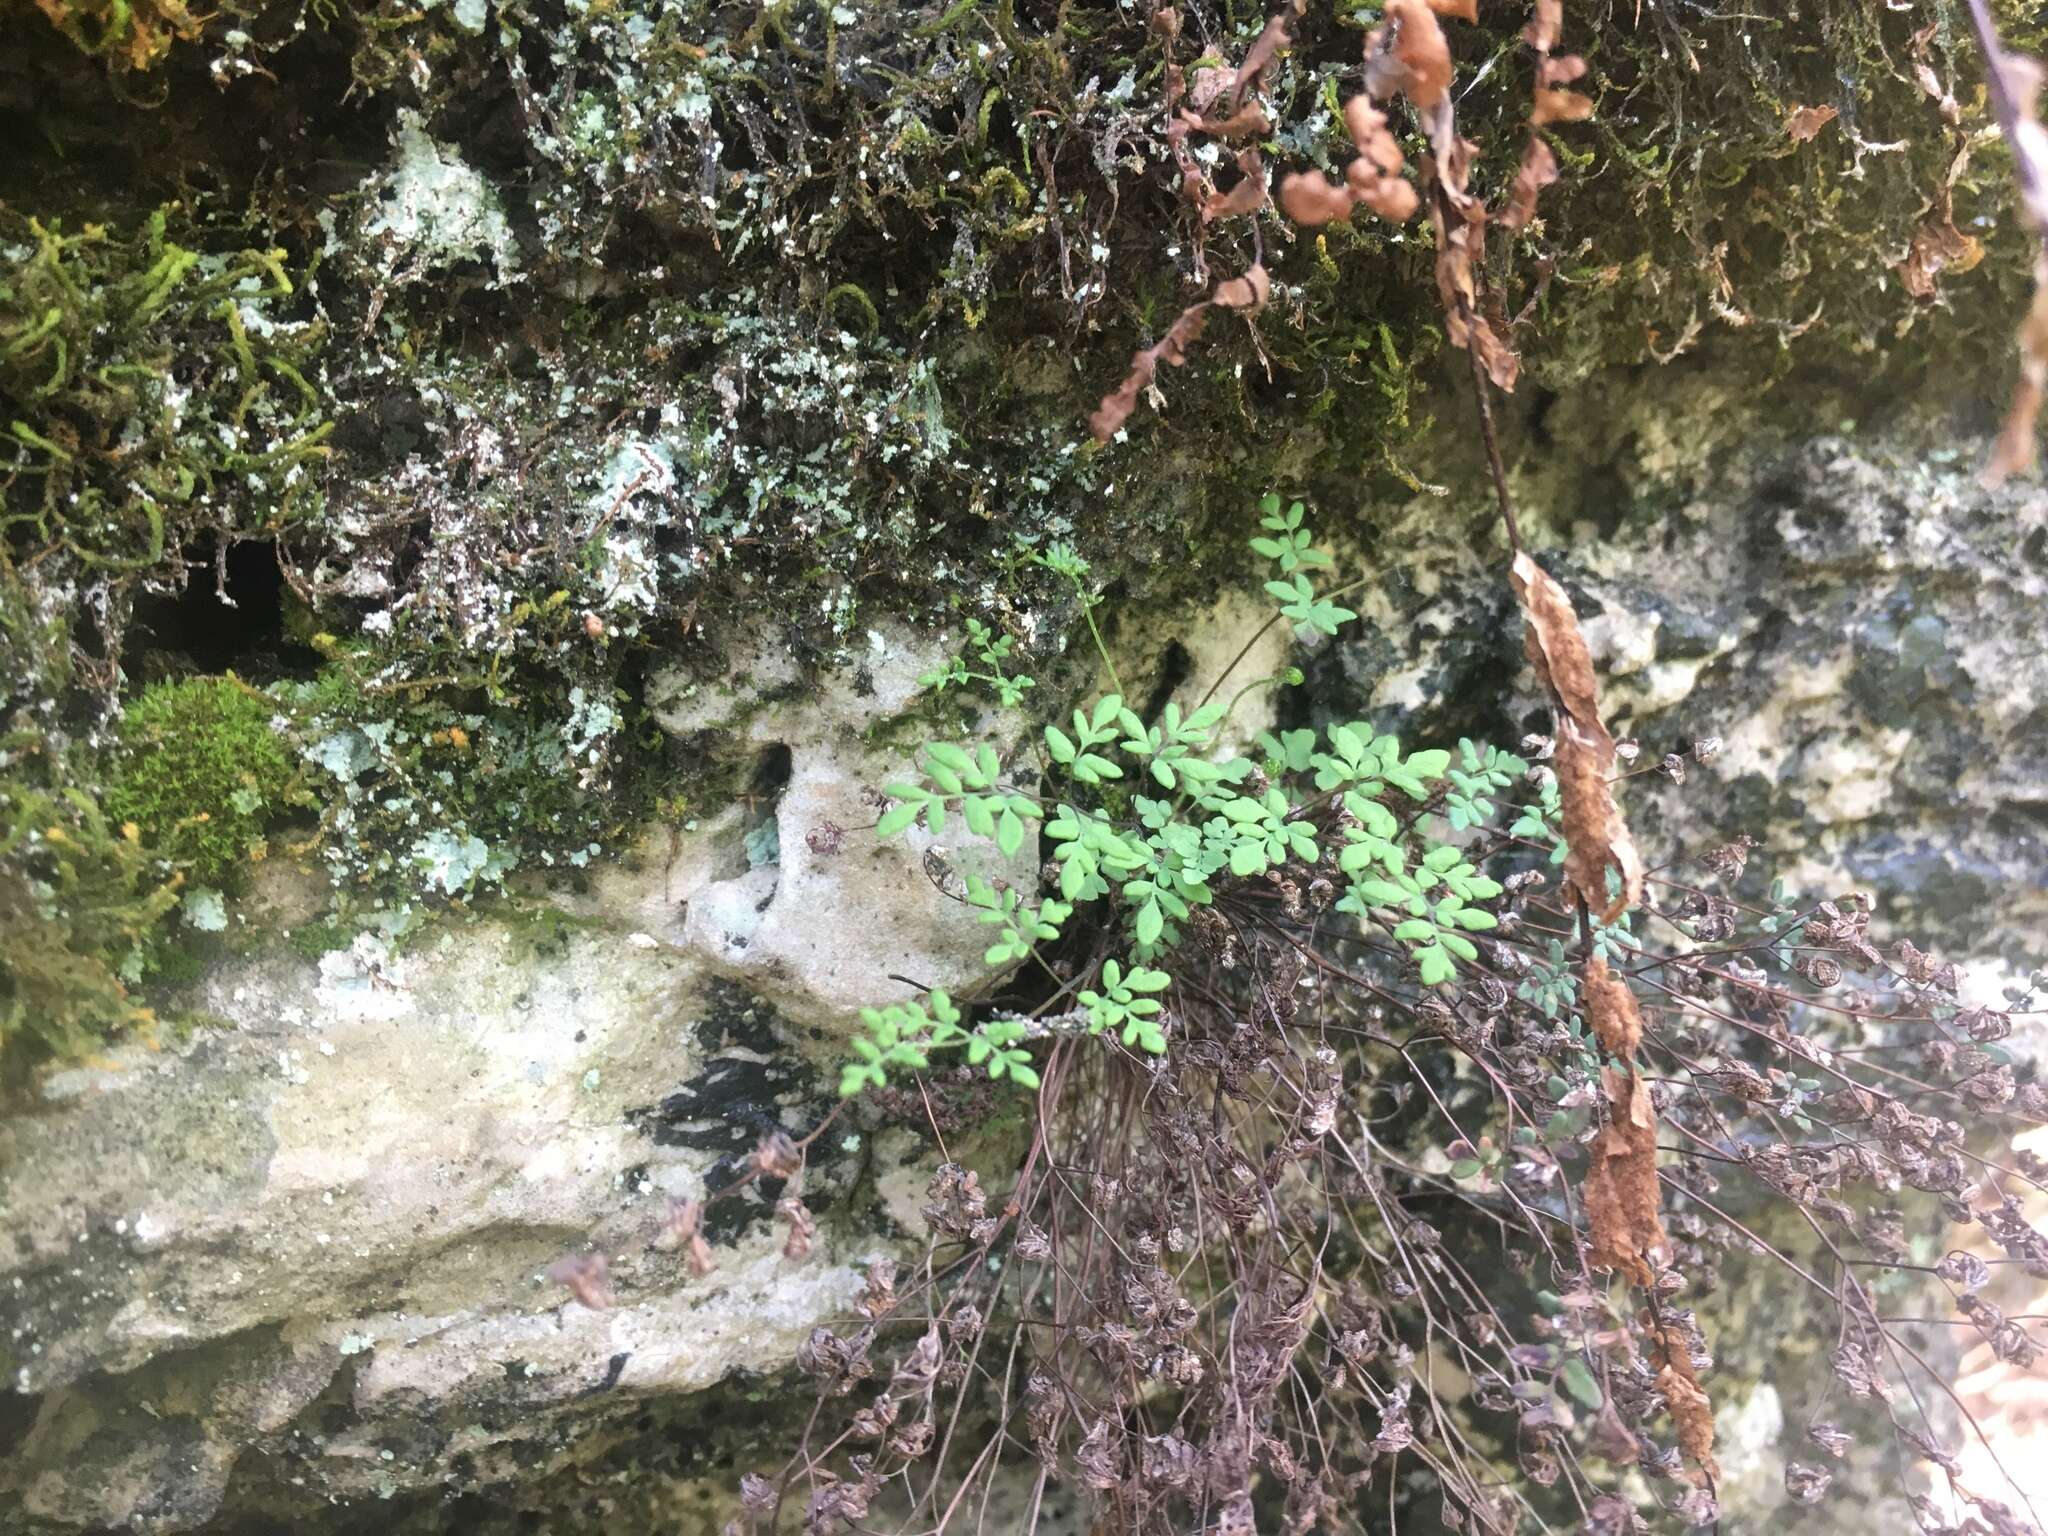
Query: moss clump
(310, 941)
(152, 390)
(80, 902)
(201, 773)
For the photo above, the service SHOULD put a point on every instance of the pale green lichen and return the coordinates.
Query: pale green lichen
(432, 209)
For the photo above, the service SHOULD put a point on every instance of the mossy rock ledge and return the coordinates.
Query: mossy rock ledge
(481, 485)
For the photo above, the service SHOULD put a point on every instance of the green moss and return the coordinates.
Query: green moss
(202, 773)
(181, 1024)
(541, 928)
(81, 901)
(176, 964)
(152, 391)
(312, 940)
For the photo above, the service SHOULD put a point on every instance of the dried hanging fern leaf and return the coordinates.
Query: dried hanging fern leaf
(1692, 1411)
(1595, 834)
(1611, 1010)
(2015, 83)
(1625, 1232)
(1247, 293)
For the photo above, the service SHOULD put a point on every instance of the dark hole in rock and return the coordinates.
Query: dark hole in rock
(194, 630)
(771, 773)
(1175, 668)
(1541, 403)
(1604, 499)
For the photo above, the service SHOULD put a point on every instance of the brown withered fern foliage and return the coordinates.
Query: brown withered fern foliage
(1362, 1254)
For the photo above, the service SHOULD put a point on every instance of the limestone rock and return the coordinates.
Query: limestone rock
(834, 919)
(355, 1189)
(346, 1193)
(1857, 621)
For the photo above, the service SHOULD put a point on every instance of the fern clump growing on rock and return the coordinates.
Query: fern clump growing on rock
(1348, 1056)
(1146, 866)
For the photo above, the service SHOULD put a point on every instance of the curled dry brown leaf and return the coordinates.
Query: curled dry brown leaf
(1248, 196)
(1691, 1409)
(1367, 125)
(1459, 222)
(1594, 831)
(1372, 179)
(1625, 1233)
(1546, 25)
(1937, 246)
(1261, 53)
(1611, 1008)
(1408, 53)
(1592, 823)
(1537, 171)
(1474, 317)
(1803, 124)
(1388, 196)
(1247, 293)
(1310, 197)
(1624, 1230)
(1247, 122)
(1554, 104)
(1193, 185)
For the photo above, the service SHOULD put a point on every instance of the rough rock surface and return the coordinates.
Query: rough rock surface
(1854, 617)
(833, 917)
(303, 1251)
(662, 360)
(317, 1232)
